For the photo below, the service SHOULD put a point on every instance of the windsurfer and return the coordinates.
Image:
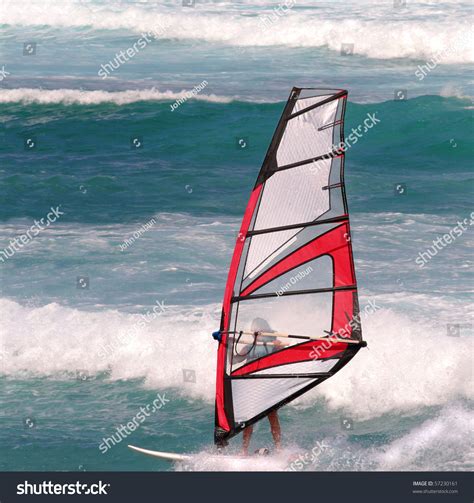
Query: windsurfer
(261, 346)
(252, 352)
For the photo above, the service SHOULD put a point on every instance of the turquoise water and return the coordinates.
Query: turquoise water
(74, 362)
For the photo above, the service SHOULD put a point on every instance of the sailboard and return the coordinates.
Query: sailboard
(290, 315)
(167, 456)
(174, 457)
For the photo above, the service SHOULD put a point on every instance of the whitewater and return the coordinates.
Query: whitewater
(92, 331)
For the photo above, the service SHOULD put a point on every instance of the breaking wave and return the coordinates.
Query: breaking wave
(375, 30)
(80, 97)
(55, 341)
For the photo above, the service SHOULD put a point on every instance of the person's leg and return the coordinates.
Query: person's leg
(275, 428)
(247, 434)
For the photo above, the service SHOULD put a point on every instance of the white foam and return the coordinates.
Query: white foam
(452, 91)
(54, 340)
(76, 96)
(441, 443)
(377, 30)
(205, 461)
(408, 365)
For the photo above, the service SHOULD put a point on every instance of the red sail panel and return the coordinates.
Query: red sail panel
(221, 355)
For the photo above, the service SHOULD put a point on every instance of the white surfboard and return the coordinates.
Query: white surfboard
(224, 462)
(168, 456)
(174, 457)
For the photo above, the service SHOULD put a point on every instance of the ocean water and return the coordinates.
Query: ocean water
(94, 328)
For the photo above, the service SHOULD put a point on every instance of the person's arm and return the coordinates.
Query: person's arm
(271, 343)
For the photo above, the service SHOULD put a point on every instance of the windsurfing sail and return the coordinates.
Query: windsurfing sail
(290, 316)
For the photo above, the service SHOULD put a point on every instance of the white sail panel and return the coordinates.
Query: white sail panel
(295, 196)
(303, 137)
(265, 246)
(311, 367)
(303, 103)
(252, 396)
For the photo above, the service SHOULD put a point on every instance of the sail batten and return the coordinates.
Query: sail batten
(292, 271)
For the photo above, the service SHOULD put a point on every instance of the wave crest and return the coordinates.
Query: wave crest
(377, 31)
(75, 96)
